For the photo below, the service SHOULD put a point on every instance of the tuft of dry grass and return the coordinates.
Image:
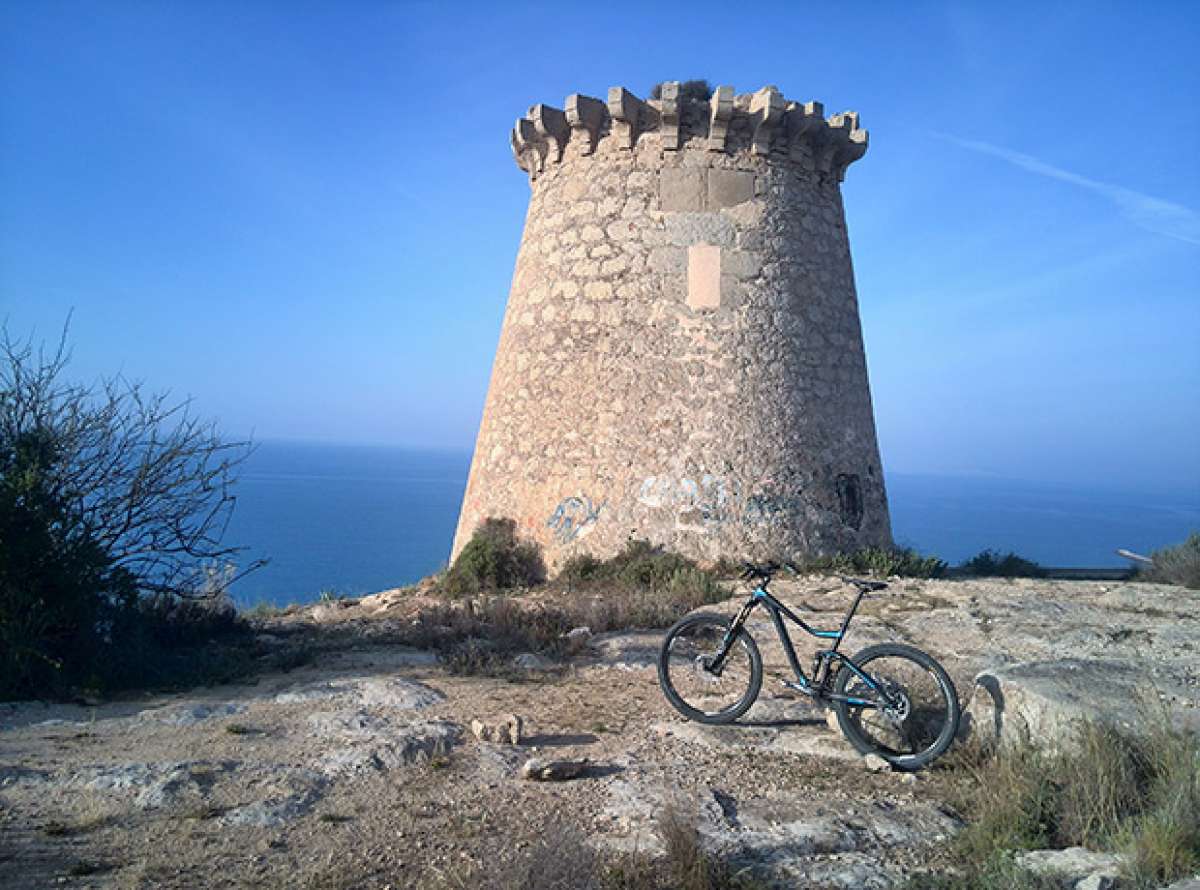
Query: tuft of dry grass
(1134, 794)
(86, 868)
(562, 859)
(688, 866)
(1162, 841)
(999, 872)
(93, 815)
(55, 828)
(202, 812)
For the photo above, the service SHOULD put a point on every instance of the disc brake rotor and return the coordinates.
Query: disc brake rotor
(899, 704)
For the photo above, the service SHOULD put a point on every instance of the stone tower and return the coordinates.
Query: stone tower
(681, 358)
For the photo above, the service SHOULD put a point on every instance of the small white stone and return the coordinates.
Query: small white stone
(875, 763)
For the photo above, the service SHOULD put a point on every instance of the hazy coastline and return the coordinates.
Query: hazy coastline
(352, 519)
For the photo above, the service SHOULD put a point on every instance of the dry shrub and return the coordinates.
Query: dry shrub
(1176, 565)
(688, 866)
(563, 860)
(1163, 840)
(481, 636)
(1137, 794)
(639, 566)
(994, 564)
(641, 587)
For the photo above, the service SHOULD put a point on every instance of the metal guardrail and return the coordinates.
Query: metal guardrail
(1114, 573)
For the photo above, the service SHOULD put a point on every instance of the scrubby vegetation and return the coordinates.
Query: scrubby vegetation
(495, 559)
(883, 562)
(689, 89)
(994, 564)
(562, 859)
(112, 506)
(643, 586)
(1139, 796)
(686, 865)
(1176, 565)
(640, 566)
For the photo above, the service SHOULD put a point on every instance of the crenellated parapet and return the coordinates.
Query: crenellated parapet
(763, 124)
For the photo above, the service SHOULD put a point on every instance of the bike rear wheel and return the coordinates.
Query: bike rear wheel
(686, 677)
(918, 715)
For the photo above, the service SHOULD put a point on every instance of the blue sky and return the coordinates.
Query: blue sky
(305, 215)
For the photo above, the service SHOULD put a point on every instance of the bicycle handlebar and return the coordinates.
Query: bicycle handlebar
(767, 570)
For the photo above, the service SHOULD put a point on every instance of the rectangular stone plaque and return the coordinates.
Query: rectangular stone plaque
(704, 276)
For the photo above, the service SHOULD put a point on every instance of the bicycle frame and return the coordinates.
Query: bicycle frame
(817, 685)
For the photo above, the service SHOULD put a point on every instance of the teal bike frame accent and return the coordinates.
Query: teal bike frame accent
(816, 686)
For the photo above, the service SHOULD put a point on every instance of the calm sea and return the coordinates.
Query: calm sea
(354, 519)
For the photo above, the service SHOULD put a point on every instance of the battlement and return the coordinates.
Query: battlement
(762, 123)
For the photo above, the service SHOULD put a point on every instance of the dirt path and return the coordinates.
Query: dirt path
(360, 770)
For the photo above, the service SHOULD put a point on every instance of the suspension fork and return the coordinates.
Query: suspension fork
(739, 621)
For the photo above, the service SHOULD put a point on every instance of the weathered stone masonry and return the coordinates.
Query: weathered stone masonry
(681, 358)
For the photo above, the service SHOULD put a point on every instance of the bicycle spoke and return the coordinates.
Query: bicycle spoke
(914, 707)
(689, 669)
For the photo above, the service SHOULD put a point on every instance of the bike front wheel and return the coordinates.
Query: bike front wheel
(687, 677)
(911, 712)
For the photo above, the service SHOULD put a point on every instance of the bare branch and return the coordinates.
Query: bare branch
(142, 476)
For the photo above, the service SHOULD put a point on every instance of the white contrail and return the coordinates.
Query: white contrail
(1153, 214)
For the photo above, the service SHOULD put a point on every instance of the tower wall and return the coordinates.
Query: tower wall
(681, 358)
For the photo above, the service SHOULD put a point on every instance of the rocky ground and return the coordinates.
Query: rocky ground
(361, 769)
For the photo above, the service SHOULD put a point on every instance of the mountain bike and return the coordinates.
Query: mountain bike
(892, 699)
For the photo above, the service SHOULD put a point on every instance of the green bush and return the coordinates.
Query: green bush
(70, 618)
(1176, 565)
(884, 562)
(494, 559)
(112, 502)
(639, 566)
(697, 90)
(993, 564)
(61, 598)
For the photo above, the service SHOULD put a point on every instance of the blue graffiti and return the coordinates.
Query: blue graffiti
(766, 507)
(572, 516)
